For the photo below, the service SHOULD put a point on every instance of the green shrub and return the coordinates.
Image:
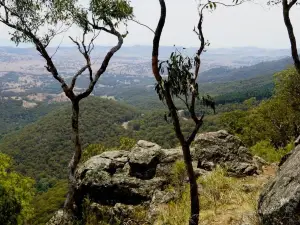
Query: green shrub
(223, 200)
(126, 143)
(15, 190)
(10, 208)
(92, 150)
(265, 150)
(215, 189)
(47, 203)
(178, 176)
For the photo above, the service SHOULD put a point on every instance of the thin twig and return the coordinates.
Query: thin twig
(144, 25)
(59, 44)
(73, 83)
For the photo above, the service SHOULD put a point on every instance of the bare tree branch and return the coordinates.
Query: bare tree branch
(292, 3)
(86, 50)
(196, 130)
(144, 25)
(56, 50)
(107, 58)
(77, 43)
(40, 48)
(73, 82)
(185, 101)
(288, 23)
(156, 41)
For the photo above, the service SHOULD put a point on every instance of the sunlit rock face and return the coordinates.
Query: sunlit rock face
(279, 203)
(221, 148)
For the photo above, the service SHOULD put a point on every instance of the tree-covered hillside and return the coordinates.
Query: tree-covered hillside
(223, 74)
(13, 116)
(226, 85)
(48, 141)
(260, 87)
(44, 148)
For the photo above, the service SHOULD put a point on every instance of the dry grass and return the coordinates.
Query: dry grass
(223, 200)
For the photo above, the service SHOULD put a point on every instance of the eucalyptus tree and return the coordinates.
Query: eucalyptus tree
(39, 21)
(287, 6)
(180, 83)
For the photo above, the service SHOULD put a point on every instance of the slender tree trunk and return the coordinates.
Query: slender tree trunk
(69, 203)
(289, 26)
(195, 206)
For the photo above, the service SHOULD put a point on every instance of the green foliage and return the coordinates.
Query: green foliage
(44, 183)
(178, 176)
(28, 18)
(10, 208)
(13, 116)
(181, 83)
(179, 77)
(17, 192)
(92, 150)
(287, 87)
(266, 150)
(234, 121)
(275, 120)
(215, 186)
(126, 143)
(47, 203)
(223, 200)
(43, 149)
(153, 127)
(109, 10)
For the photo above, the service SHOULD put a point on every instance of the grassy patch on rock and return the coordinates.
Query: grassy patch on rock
(224, 200)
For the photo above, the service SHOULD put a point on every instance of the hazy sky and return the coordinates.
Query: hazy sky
(246, 25)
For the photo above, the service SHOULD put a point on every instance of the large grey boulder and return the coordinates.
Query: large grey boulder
(126, 177)
(143, 159)
(226, 150)
(110, 162)
(121, 181)
(279, 203)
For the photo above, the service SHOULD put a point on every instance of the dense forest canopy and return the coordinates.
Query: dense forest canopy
(47, 141)
(274, 120)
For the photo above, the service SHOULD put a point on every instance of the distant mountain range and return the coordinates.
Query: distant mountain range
(133, 60)
(129, 76)
(225, 74)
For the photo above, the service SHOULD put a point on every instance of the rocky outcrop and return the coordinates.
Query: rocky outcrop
(127, 177)
(221, 148)
(143, 160)
(141, 176)
(279, 203)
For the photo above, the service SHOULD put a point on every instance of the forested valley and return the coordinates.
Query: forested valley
(41, 147)
(147, 143)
